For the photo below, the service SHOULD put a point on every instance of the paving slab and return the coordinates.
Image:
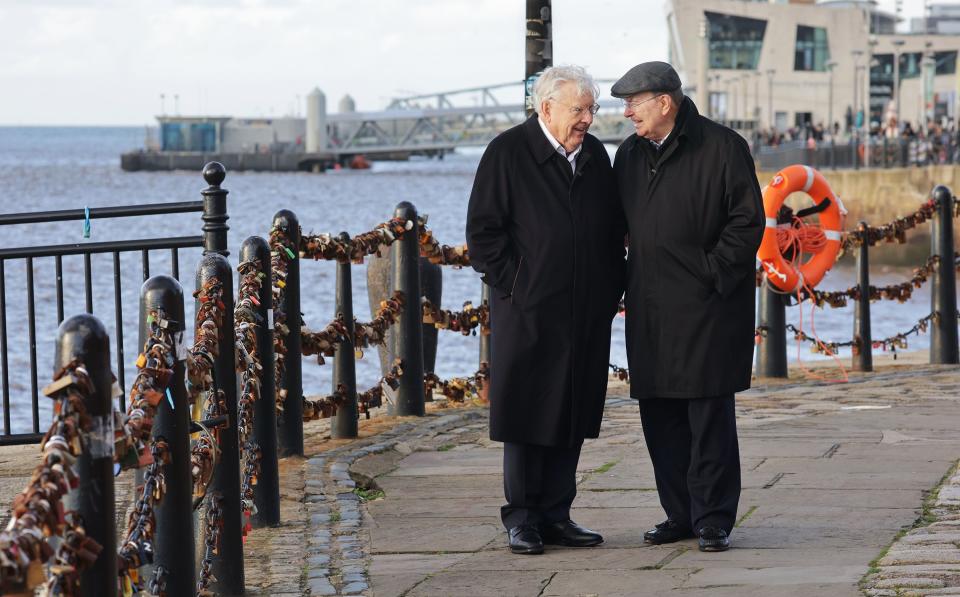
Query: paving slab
(830, 477)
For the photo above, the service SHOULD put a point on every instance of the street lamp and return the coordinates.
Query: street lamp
(897, 44)
(770, 72)
(831, 64)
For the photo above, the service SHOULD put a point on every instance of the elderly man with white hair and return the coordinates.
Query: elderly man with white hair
(546, 230)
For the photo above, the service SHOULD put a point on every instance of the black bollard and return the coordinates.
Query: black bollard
(83, 337)
(408, 339)
(863, 349)
(484, 338)
(344, 423)
(291, 421)
(174, 540)
(944, 348)
(215, 210)
(266, 493)
(772, 352)
(227, 567)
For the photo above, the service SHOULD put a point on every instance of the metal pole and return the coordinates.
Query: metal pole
(770, 73)
(344, 423)
(227, 565)
(215, 210)
(408, 338)
(863, 354)
(896, 81)
(539, 46)
(174, 540)
(944, 348)
(291, 420)
(266, 493)
(772, 352)
(83, 337)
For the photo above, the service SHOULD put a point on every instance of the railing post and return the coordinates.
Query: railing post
(943, 335)
(863, 349)
(344, 423)
(856, 148)
(886, 156)
(215, 210)
(83, 337)
(266, 493)
(291, 421)
(772, 352)
(484, 338)
(431, 286)
(227, 565)
(174, 539)
(408, 339)
(833, 153)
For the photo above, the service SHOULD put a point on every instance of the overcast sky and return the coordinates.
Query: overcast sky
(108, 61)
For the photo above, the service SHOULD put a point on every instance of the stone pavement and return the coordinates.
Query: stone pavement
(832, 472)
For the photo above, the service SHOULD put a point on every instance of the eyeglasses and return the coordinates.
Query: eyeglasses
(633, 105)
(578, 110)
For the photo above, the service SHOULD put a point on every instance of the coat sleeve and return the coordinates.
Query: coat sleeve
(491, 249)
(735, 253)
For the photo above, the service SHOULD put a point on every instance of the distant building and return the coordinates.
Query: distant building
(942, 19)
(779, 64)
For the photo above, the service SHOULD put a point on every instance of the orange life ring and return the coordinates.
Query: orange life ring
(781, 273)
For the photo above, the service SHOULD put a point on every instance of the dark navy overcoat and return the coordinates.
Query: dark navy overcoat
(550, 242)
(695, 219)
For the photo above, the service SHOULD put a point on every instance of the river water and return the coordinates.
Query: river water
(52, 168)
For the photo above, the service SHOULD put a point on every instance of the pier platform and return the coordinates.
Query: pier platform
(848, 489)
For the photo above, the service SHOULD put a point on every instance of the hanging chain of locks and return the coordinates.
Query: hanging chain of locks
(205, 450)
(458, 389)
(155, 371)
(374, 333)
(281, 253)
(213, 527)
(38, 513)
(620, 373)
(246, 320)
(464, 322)
(893, 232)
(892, 343)
(323, 343)
(430, 248)
(894, 292)
(327, 406)
(329, 247)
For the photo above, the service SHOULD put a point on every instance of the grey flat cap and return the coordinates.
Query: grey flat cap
(649, 76)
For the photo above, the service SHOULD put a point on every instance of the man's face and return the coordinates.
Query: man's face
(568, 115)
(648, 112)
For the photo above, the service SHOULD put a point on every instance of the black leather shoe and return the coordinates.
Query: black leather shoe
(667, 531)
(525, 539)
(569, 533)
(713, 539)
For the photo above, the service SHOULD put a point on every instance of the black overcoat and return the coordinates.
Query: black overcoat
(695, 219)
(550, 243)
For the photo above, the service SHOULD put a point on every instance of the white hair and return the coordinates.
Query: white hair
(548, 83)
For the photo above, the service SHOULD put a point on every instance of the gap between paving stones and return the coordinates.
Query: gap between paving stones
(336, 556)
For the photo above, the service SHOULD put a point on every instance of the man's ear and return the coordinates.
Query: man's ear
(545, 111)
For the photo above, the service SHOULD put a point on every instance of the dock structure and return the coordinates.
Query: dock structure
(431, 125)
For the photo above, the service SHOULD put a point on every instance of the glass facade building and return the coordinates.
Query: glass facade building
(734, 42)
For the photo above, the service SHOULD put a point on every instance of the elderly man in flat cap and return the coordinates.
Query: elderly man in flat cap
(695, 219)
(545, 228)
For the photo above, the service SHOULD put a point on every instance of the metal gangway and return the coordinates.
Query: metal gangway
(438, 123)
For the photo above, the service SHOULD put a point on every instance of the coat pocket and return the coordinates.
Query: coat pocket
(516, 276)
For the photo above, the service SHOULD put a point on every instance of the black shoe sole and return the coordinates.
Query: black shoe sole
(571, 544)
(714, 547)
(526, 551)
(665, 541)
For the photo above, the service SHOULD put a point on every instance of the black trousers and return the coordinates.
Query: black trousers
(696, 458)
(539, 483)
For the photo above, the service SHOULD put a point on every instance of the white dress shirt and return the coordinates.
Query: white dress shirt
(571, 156)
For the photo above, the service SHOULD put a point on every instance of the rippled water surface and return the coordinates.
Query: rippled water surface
(68, 168)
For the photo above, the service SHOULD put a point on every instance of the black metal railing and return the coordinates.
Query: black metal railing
(875, 152)
(213, 207)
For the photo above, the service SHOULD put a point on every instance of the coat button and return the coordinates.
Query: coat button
(653, 171)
